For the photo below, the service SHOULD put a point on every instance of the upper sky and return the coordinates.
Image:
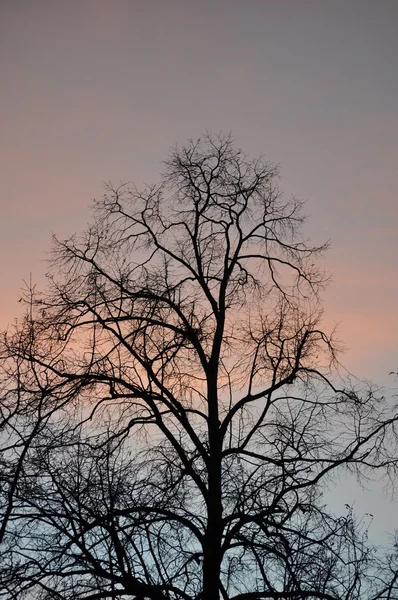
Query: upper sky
(96, 90)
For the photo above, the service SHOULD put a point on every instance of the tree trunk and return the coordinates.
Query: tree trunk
(213, 537)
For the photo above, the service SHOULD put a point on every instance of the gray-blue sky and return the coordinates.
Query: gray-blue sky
(97, 90)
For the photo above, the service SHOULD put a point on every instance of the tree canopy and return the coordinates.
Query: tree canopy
(170, 411)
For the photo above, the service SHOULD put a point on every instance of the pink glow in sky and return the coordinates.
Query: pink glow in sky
(98, 90)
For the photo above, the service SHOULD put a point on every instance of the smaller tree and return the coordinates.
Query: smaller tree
(189, 417)
(22, 417)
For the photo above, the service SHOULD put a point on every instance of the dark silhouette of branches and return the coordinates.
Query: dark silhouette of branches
(181, 413)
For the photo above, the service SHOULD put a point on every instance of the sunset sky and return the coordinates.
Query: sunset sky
(96, 90)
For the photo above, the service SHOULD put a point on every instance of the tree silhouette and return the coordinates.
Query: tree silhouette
(186, 413)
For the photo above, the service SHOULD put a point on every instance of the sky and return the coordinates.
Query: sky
(96, 90)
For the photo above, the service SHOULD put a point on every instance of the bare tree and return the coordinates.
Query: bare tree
(192, 417)
(22, 417)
